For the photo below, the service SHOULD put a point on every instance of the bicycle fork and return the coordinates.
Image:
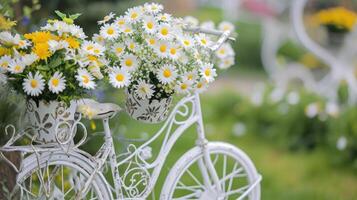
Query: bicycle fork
(206, 165)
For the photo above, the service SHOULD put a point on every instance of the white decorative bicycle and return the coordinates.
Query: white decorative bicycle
(61, 170)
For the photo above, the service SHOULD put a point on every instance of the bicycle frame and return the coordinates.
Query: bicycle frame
(136, 162)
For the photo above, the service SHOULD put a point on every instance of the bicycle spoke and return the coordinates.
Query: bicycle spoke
(237, 191)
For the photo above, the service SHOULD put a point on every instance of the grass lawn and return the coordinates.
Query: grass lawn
(286, 175)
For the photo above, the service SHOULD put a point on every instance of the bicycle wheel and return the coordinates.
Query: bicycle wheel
(238, 178)
(58, 175)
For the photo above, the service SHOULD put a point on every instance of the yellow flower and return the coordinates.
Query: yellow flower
(72, 42)
(4, 51)
(6, 24)
(40, 37)
(338, 17)
(42, 50)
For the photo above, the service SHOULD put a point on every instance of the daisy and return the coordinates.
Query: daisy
(190, 76)
(77, 32)
(187, 41)
(98, 38)
(203, 40)
(153, 8)
(23, 44)
(165, 32)
(133, 14)
(33, 85)
(149, 24)
(131, 45)
(162, 49)
(57, 83)
(129, 62)
(164, 17)
(5, 62)
(224, 51)
(208, 72)
(226, 26)
(120, 22)
(109, 31)
(85, 79)
(127, 29)
(201, 86)
(183, 87)
(54, 45)
(29, 59)
(167, 74)
(174, 52)
(16, 66)
(151, 41)
(106, 18)
(226, 63)
(119, 78)
(98, 49)
(88, 47)
(144, 90)
(6, 37)
(118, 49)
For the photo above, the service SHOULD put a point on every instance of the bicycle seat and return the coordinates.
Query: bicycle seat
(92, 109)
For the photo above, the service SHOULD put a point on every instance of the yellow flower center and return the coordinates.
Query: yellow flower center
(222, 51)
(110, 31)
(164, 31)
(34, 84)
(152, 41)
(21, 43)
(190, 76)
(134, 15)
(121, 22)
(128, 62)
(150, 25)
(5, 64)
(207, 72)
(163, 48)
(173, 51)
(17, 68)
(127, 30)
(183, 86)
(167, 73)
(55, 82)
(120, 77)
(89, 48)
(96, 51)
(199, 85)
(92, 58)
(85, 79)
(119, 49)
(204, 41)
(131, 46)
(186, 42)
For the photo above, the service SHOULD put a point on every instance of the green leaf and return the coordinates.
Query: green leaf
(75, 16)
(55, 62)
(60, 14)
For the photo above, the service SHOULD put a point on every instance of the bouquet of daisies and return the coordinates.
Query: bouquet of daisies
(152, 56)
(55, 63)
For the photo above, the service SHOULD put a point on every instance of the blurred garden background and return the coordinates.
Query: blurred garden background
(273, 103)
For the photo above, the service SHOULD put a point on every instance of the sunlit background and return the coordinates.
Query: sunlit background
(300, 131)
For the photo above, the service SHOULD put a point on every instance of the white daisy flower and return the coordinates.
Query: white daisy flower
(134, 14)
(153, 8)
(165, 32)
(164, 17)
(106, 18)
(225, 63)
(149, 24)
(162, 49)
(174, 52)
(183, 87)
(191, 21)
(190, 76)
(33, 85)
(127, 29)
(98, 38)
(207, 25)
(224, 51)
(226, 26)
(54, 45)
(129, 62)
(167, 74)
(61, 27)
(131, 45)
(118, 49)
(208, 72)
(151, 41)
(23, 44)
(5, 62)
(187, 41)
(29, 59)
(120, 22)
(119, 78)
(16, 67)
(57, 83)
(88, 47)
(98, 49)
(6, 37)
(85, 79)
(144, 90)
(203, 40)
(77, 31)
(109, 31)
(201, 86)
